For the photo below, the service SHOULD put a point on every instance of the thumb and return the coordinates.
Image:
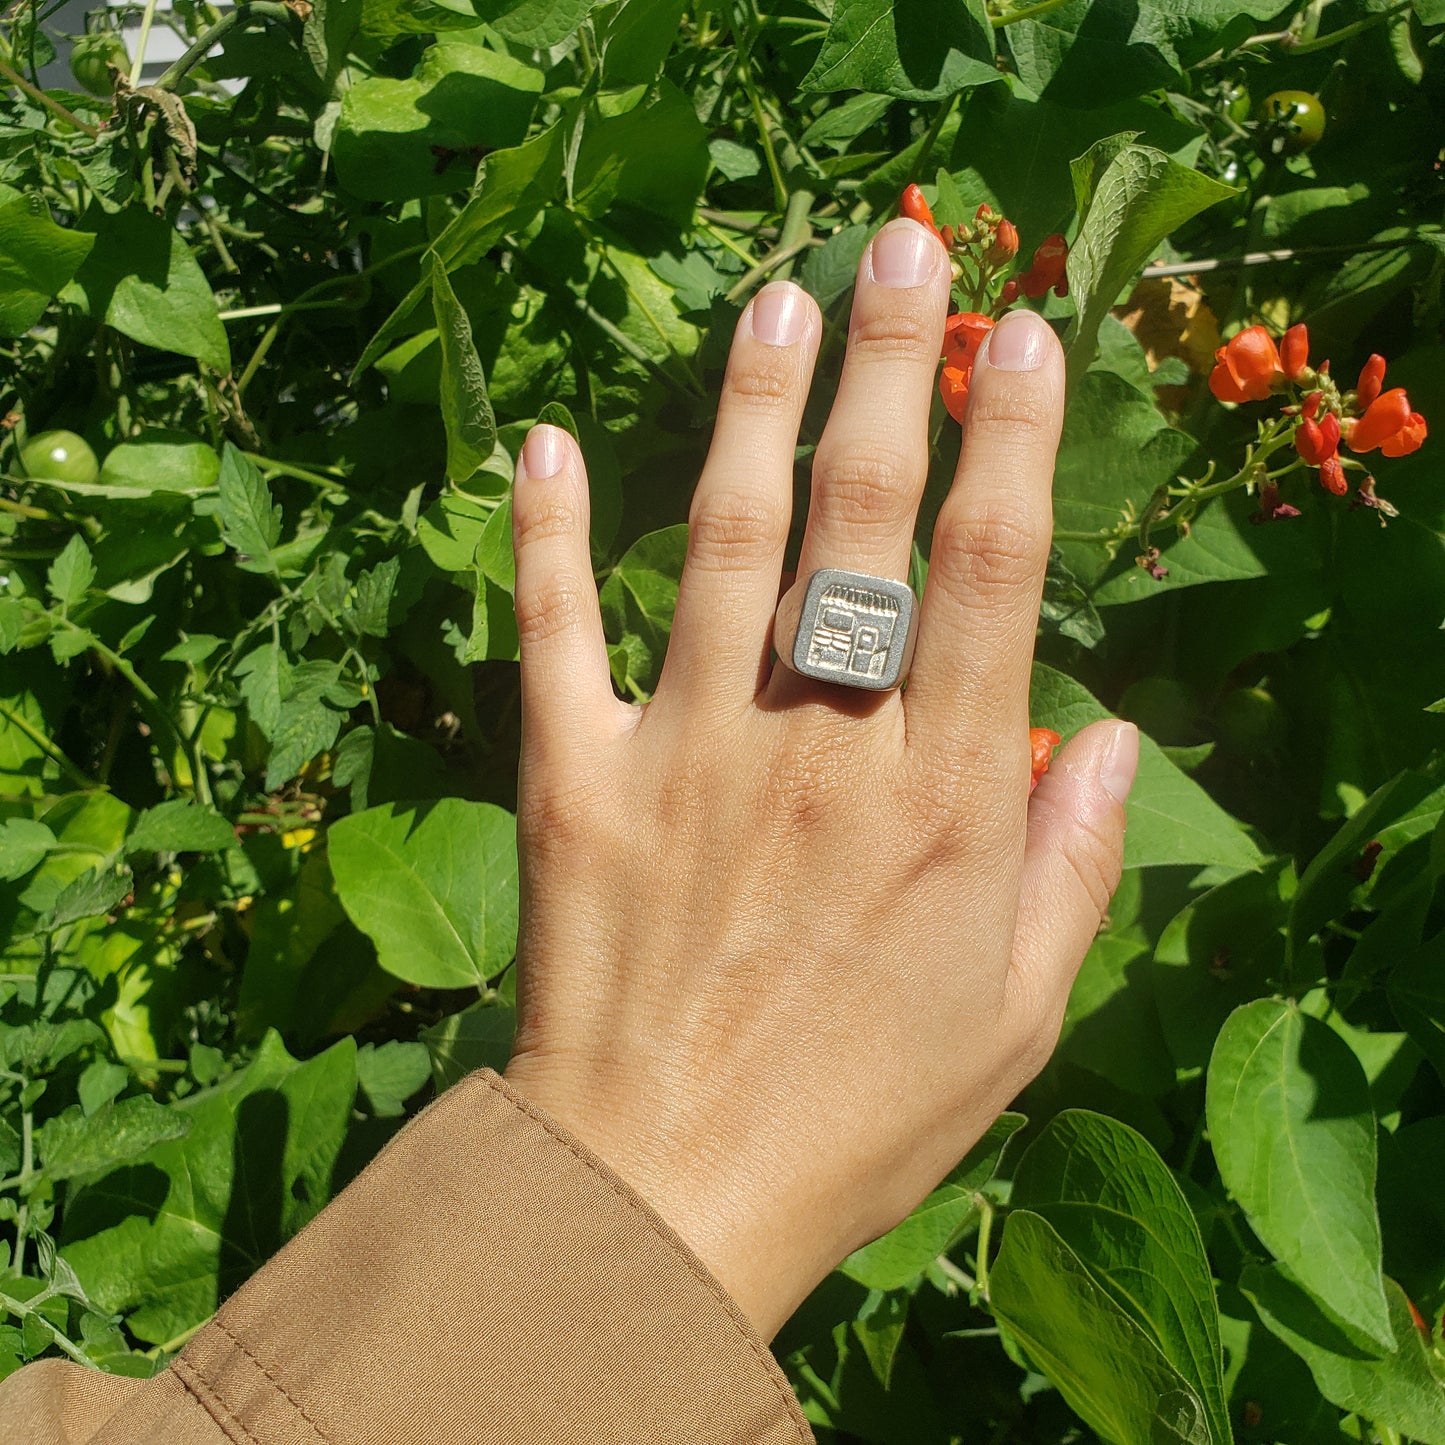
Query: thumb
(1073, 858)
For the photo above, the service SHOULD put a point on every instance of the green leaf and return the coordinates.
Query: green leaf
(390, 1073)
(375, 589)
(535, 24)
(1171, 818)
(639, 597)
(1402, 1389)
(142, 279)
(158, 461)
(1129, 198)
(900, 1256)
(1293, 1132)
(164, 1240)
(879, 1327)
(1103, 1364)
(73, 1143)
(180, 826)
(515, 184)
(911, 49)
(399, 139)
(479, 1037)
(1417, 995)
(90, 895)
(450, 529)
(635, 38)
(37, 258)
(314, 703)
(23, 844)
(1114, 1202)
(829, 271)
(69, 577)
(250, 524)
(466, 408)
(435, 888)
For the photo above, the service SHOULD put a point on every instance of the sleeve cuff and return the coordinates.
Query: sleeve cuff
(489, 1279)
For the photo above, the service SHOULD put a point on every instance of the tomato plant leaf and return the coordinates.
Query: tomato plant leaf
(250, 524)
(23, 844)
(37, 258)
(180, 826)
(69, 577)
(74, 1143)
(1293, 1133)
(435, 888)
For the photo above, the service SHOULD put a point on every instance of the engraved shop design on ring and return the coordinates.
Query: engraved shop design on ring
(848, 628)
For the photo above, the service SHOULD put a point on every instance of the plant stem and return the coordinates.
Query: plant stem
(41, 98)
(985, 1236)
(202, 46)
(1027, 12)
(49, 748)
(1348, 32)
(769, 263)
(931, 138)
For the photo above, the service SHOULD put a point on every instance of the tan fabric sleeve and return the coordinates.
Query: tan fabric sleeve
(485, 1279)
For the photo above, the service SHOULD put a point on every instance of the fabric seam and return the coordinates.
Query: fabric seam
(277, 1385)
(669, 1236)
(205, 1399)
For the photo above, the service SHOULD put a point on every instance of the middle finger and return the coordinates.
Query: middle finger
(872, 461)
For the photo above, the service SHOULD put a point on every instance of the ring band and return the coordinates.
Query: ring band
(847, 628)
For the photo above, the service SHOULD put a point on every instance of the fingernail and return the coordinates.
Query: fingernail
(1122, 762)
(1017, 343)
(902, 254)
(779, 314)
(543, 452)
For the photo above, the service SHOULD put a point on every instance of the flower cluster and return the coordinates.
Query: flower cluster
(1250, 367)
(980, 253)
(1042, 742)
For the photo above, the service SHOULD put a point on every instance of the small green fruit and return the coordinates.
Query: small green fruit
(60, 456)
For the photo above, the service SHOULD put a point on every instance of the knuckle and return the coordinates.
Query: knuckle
(733, 528)
(546, 519)
(996, 547)
(1010, 409)
(907, 336)
(552, 607)
(863, 485)
(767, 384)
(558, 815)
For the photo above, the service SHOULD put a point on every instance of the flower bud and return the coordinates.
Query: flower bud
(1372, 378)
(1294, 352)
(1332, 477)
(1004, 246)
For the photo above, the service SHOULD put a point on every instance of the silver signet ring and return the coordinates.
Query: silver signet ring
(848, 628)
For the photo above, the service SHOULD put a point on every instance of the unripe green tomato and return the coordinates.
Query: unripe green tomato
(89, 57)
(1163, 708)
(59, 456)
(1238, 105)
(1249, 723)
(1290, 121)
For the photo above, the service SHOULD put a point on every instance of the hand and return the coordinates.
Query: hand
(787, 949)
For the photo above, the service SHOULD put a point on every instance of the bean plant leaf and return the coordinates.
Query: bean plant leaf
(1099, 1359)
(900, 1256)
(640, 595)
(37, 258)
(1129, 198)
(1115, 1203)
(912, 49)
(479, 1037)
(1404, 1389)
(250, 523)
(141, 278)
(1417, 994)
(1293, 1133)
(166, 1238)
(390, 1073)
(466, 408)
(1171, 818)
(433, 886)
(23, 844)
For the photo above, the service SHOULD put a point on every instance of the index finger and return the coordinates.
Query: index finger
(967, 695)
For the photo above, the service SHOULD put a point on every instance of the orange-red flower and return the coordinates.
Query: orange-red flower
(1005, 244)
(963, 334)
(1247, 367)
(1332, 476)
(913, 205)
(1390, 424)
(1294, 352)
(1048, 269)
(1372, 378)
(1042, 742)
(1318, 441)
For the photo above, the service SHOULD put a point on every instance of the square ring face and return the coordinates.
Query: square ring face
(855, 630)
